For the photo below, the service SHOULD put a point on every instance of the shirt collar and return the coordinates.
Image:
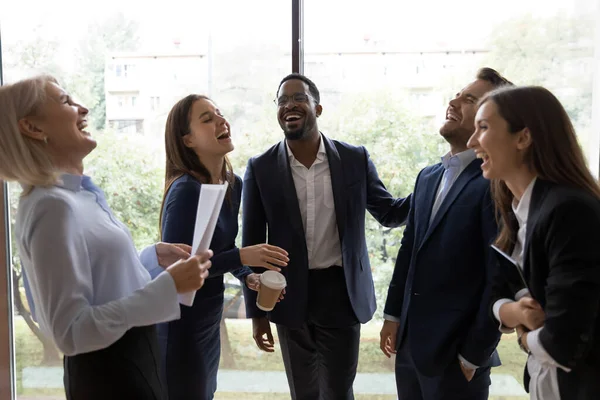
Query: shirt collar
(321, 153)
(459, 160)
(521, 207)
(72, 182)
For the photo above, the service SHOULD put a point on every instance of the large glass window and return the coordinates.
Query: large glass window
(386, 72)
(129, 64)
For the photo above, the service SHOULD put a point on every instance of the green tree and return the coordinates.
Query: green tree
(556, 52)
(131, 173)
(35, 54)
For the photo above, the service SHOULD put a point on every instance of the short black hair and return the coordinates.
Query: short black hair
(494, 77)
(312, 88)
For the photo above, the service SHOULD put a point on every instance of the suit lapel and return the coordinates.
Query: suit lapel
(535, 205)
(471, 171)
(431, 189)
(337, 184)
(289, 189)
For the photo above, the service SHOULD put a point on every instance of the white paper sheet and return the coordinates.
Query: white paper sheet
(209, 208)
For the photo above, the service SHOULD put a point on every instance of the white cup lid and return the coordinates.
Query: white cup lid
(273, 279)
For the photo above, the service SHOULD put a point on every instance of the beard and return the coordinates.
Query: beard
(295, 134)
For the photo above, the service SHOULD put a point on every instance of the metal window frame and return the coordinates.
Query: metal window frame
(298, 36)
(7, 361)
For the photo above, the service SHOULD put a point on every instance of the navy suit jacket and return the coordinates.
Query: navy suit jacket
(270, 207)
(441, 286)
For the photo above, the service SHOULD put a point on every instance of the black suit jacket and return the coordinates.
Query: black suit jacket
(270, 208)
(561, 265)
(443, 276)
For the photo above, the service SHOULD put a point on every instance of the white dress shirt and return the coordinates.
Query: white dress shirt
(315, 197)
(540, 365)
(85, 278)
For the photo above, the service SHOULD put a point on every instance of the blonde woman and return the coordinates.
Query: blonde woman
(91, 292)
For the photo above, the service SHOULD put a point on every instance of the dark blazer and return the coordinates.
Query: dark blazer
(441, 284)
(561, 265)
(270, 206)
(179, 214)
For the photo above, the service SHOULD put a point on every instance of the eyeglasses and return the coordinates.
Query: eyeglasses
(297, 98)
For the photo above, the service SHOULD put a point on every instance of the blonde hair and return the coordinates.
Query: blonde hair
(22, 158)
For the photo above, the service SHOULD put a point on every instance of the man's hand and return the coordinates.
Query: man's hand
(469, 373)
(168, 253)
(264, 255)
(261, 332)
(253, 283)
(387, 337)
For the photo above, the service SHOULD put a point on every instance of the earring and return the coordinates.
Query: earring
(45, 139)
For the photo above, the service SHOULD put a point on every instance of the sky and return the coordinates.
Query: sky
(328, 24)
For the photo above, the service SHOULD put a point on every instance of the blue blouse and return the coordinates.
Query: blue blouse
(84, 275)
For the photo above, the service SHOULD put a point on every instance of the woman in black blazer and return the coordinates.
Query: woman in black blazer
(549, 208)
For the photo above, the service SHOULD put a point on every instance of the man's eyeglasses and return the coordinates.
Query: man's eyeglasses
(297, 98)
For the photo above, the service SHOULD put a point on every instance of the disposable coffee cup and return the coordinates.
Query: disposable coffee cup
(271, 285)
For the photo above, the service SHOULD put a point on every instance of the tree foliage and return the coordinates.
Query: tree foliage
(556, 52)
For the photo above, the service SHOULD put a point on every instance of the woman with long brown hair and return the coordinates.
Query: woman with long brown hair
(197, 140)
(549, 208)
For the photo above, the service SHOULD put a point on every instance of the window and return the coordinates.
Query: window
(127, 126)
(124, 70)
(154, 103)
(120, 65)
(386, 79)
(386, 73)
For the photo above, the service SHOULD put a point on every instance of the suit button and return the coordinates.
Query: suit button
(416, 294)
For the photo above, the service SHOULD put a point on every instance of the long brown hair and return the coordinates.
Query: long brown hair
(554, 154)
(181, 159)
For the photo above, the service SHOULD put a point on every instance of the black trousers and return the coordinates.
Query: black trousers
(321, 356)
(127, 370)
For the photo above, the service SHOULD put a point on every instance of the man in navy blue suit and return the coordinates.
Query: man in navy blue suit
(309, 194)
(436, 314)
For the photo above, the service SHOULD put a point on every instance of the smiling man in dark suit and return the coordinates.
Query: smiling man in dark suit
(310, 194)
(437, 311)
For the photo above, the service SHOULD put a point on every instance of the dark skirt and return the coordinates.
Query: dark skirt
(128, 370)
(191, 348)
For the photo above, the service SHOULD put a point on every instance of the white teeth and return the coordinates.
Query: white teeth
(292, 117)
(223, 135)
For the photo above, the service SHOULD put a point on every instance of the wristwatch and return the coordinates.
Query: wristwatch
(520, 342)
